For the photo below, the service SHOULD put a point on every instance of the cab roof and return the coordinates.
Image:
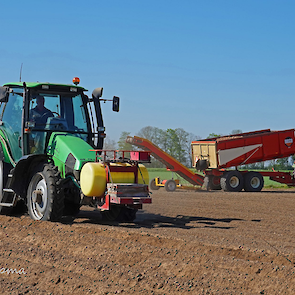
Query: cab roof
(44, 85)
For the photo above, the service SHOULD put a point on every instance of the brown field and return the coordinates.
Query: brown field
(186, 242)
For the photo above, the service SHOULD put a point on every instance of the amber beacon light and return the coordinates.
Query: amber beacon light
(76, 80)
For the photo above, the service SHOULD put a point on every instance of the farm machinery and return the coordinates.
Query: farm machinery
(215, 156)
(51, 157)
(219, 158)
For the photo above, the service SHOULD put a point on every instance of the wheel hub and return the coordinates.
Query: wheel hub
(255, 182)
(39, 198)
(234, 181)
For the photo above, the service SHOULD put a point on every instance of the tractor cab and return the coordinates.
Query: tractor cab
(31, 112)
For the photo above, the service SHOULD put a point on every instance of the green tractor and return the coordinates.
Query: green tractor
(51, 157)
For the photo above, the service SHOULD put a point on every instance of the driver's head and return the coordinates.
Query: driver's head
(40, 100)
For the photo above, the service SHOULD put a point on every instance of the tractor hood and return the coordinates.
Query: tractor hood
(69, 152)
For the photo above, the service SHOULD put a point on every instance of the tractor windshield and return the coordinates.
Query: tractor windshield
(56, 112)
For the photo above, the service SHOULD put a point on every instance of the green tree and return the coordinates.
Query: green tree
(155, 135)
(109, 144)
(123, 145)
(236, 131)
(212, 135)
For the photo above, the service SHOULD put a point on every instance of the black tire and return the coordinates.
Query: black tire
(119, 213)
(43, 199)
(232, 181)
(153, 185)
(253, 182)
(71, 209)
(211, 182)
(170, 185)
(201, 165)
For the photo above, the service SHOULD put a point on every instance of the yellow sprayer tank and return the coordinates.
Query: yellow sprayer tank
(93, 177)
(128, 177)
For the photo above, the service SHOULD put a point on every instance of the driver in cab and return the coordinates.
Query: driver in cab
(39, 114)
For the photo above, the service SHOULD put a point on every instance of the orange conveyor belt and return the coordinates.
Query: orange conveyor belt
(171, 163)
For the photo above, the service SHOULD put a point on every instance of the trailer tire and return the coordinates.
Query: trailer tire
(43, 199)
(253, 182)
(212, 182)
(153, 185)
(170, 185)
(232, 181)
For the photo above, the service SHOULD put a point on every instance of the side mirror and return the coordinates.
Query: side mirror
(97, 93)
(4, 93)
(116, 103)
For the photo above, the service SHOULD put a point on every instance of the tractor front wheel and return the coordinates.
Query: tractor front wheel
(43, 200)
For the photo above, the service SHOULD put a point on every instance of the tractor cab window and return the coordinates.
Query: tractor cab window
(11, 118)
(56, 112)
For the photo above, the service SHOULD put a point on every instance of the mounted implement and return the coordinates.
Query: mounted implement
(51, 139)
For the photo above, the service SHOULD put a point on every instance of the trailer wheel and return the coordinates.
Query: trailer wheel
(232, 181)
(153, 185)
(211, 182)
(170, 185)
(43, 200)
(254, 182)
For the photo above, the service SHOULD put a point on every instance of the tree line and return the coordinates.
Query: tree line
(175, 142)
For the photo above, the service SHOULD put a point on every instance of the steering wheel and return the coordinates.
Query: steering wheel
(46, 115)
(57, 114)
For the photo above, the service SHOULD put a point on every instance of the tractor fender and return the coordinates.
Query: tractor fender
(23, 170)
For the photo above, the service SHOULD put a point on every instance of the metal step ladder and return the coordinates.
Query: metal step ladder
(8, 195)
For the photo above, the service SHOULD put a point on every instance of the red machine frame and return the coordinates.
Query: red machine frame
(134, 195)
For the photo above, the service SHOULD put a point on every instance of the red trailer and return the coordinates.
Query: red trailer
(214, 155)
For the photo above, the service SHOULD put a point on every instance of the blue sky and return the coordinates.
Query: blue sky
(204, 66)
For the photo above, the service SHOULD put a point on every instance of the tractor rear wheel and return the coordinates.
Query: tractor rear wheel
(170, 185)
(232, 181)
(43, 199)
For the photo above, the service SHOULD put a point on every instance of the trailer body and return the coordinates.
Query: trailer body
(245, 148)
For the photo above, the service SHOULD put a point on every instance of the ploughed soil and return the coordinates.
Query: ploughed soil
(186, 242)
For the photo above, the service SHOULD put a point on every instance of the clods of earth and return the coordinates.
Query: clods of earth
(186, 242)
